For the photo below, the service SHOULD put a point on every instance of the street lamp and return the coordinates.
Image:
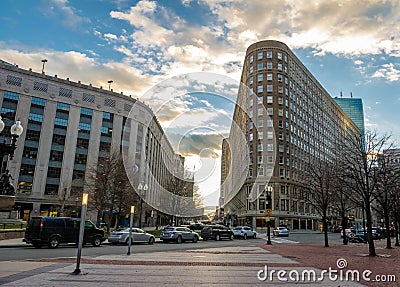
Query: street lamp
(15, 130)
(268, 213)
(140, 188)
(109, 84)
(81, 232)
(43, 61)
(130, 230)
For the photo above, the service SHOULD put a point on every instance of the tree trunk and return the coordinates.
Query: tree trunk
(371, 246)
(387, 223)
(344, 227)
(396, 225)
(325, 224)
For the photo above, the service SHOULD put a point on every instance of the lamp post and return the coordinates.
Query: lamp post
(268, 213)
(130, 230)
(140, 188)
(109, 84)
(81, 233)
(15, 130)
(43, 61)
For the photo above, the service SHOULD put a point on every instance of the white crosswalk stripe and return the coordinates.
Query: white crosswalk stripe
(281, 240)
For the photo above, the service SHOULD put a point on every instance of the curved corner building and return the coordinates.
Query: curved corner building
(306, 124)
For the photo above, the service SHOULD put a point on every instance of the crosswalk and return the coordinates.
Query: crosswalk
(280, 240)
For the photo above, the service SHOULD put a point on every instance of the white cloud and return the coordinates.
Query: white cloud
(69, 16)
(389, 72)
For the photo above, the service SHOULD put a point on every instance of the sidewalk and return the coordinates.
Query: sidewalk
(224, 266)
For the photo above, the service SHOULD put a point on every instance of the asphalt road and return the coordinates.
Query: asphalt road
(64, 251)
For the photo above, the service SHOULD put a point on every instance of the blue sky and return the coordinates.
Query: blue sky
(349, 46)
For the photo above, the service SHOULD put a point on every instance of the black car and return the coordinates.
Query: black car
(196, 227)
(56, 230)
(216, 232)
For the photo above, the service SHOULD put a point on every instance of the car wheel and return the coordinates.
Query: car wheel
(195, 239)
(54, 242)
(179, 240)
(217, 237)
(255, 236)
(151, 241)
(96, 242)
(245, 236)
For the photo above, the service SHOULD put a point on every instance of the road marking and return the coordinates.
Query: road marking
(281, 240)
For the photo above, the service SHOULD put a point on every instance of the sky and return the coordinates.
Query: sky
(349, 46)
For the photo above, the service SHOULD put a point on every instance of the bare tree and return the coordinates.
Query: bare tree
(361, 173)
(386, 192)
(110, 187)
(319, 189)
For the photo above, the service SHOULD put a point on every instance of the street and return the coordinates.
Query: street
(67, 251)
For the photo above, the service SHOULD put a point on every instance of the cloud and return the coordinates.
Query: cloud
(389, 72)
(69, 15)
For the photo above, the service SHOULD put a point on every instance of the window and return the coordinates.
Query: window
(261, 172)
(270, 111)
(42, 87)
(259, 55)
(251, 136)
(270, 147)
(109, 102)
(279, 55)
(88, 98)
(270, 135)
(269, 77)
(259, 89)
(270, 99)
(251, 58)
(63, 92)
(56, 155)
(86, 111)
(63, 107)
(269, 65)
(58, 139)
(260, 159)
(251, 102)
(251, 114)
(280, 78)
(269, 88)
(260, 123)
(260, 147)
(260, 135)
(251, 80)
(36, 118)
(32, 135)
(15, 81)
(11, 96)
(259, 100)
(259, 77)
(269, 55)
(279, 66)
(260, 112)
(38, 102)
(259, 66)
(60, 122)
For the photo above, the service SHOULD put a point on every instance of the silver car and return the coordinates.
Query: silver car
(178, 234)
(244, 232)
(138, 236)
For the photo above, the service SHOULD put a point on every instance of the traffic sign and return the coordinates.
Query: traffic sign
(268, 212)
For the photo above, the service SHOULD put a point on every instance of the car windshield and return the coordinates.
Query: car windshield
(237, 228)
(169, 229)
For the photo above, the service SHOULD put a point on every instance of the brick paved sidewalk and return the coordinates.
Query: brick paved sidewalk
(316, 255)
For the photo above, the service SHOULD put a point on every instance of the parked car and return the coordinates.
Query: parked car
(281, 232)
(56, 230)
(197, 227)
(348, 233)
(216, 232)
(244, 232)
(138, 236)
(178, 234)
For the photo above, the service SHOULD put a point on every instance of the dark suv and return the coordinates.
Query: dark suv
(216, 232)
(55, 230)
